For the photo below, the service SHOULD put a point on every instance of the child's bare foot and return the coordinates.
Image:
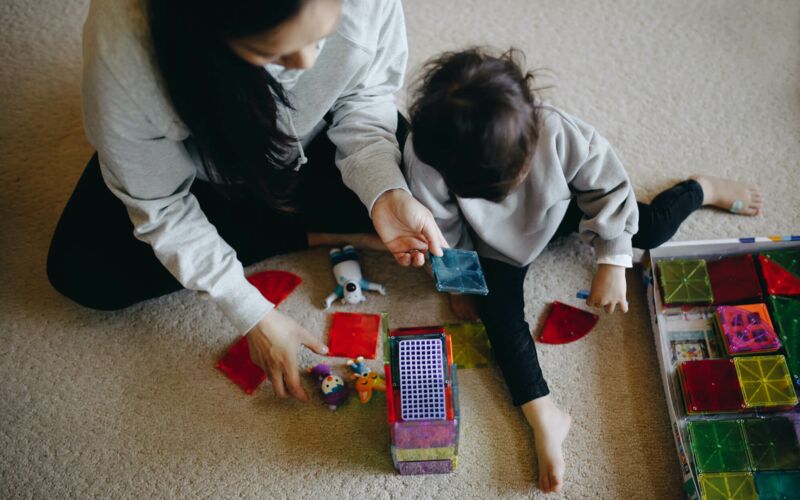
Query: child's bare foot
(733, 196)
(363, 241)
(550, 427)
(464, 307)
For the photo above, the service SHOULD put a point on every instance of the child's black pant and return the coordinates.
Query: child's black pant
(502, 311)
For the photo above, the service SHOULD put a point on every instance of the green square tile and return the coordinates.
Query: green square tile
(685, 281)
(783, 485)
(471, 348)
(765, 381)
(786, 316)
(772, 443)
(727, 486)
(718, 446)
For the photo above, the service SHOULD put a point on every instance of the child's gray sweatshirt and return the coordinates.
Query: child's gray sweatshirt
(571, 159)
(146, 153)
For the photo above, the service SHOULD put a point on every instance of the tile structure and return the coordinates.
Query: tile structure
(422, 400)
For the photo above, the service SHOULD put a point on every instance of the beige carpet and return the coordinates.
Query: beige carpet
(129, 404)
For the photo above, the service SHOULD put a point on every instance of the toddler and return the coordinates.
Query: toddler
(504, 173)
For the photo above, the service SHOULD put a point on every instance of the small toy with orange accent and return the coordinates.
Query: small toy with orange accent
(365, 380)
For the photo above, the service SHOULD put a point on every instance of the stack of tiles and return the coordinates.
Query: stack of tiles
(746, 458)
(422, 400)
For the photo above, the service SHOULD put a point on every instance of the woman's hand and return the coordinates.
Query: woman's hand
(608, 288)
(274, 343)
(406, 227)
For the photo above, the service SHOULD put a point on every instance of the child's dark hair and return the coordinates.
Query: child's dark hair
(475, 120)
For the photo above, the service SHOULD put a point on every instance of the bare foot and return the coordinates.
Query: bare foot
(364, 241)
(464, 307)
(550, 427)
(730, 195)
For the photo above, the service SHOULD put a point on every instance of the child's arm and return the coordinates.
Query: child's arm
(605, 196)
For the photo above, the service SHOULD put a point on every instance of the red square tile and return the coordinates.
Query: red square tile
(734, 280)
(353, 334)
(711, 385)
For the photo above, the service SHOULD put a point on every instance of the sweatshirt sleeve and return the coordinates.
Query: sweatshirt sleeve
(151, 174)
(603, 192)
(365, 116)
(429, 188)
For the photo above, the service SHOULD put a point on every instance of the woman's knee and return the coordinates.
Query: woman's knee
(72, 277)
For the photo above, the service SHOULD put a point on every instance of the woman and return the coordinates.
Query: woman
(218, 131)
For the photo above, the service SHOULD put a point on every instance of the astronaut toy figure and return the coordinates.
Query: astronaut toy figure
(349, 281)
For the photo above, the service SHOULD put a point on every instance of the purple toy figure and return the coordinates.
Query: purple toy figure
(334, 391)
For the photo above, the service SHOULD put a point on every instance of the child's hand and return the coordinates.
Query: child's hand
(608, 288)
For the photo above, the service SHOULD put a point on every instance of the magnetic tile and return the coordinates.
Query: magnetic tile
(779, 485)
(772, 443)
(275, 286)
(781, 271)
(728, 486)
(471, 348)
(394, 351)
(746, 329)
(421, 454)
(422, 384)
(354, 334)
(459, 271)
(786, 313)
(425, 434)
(765, 381)
(566, 324)
(685, 281)
(425, 467)
(734, 280)
(710, 385)
(238, 366)
(718, 446)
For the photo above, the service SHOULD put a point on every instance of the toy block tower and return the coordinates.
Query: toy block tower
(422, 400)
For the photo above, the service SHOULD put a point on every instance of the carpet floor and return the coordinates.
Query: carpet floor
(129, 404)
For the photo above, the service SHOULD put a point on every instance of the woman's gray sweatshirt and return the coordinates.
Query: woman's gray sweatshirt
(148, 162)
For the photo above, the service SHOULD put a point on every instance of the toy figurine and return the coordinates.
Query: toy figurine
(349, 281)
(365, 379)
(334, 391)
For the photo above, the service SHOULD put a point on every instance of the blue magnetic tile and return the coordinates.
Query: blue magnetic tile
(459, 271)
(747, 240)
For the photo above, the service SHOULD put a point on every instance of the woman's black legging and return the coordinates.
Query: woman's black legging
(95, 260)
(502, 311)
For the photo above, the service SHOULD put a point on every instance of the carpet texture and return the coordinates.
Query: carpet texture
(128, 404)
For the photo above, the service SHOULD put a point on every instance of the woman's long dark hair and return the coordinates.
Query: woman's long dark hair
(229, 106)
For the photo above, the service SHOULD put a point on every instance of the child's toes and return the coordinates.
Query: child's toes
(555, 483)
